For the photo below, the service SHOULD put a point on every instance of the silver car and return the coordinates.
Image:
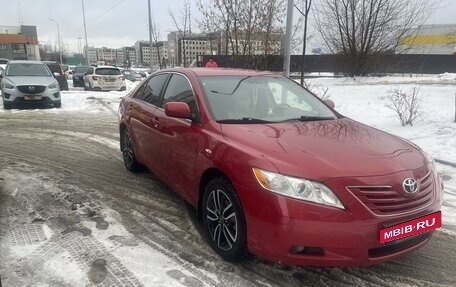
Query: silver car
(29, 82)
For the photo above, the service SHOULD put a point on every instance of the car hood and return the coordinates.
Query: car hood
(326, 149)
(30, 81)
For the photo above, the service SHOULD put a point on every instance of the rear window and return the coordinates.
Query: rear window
(81, 69)
(107, 71)
(25, 69)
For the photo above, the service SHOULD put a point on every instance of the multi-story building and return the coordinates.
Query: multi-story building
(186, 48)
(120, 57)
(92, 55)
(430, 39)
(144, 55)
(107, 56)
(19, 43)
(129, 57)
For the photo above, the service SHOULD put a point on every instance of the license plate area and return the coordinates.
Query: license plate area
(412, 227)
(32, 97)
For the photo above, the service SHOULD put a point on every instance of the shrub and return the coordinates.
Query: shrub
(406, 104)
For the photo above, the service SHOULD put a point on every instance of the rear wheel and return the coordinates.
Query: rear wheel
(223, 219)
(128, 152)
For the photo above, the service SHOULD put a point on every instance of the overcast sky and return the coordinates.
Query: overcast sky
(117, 23)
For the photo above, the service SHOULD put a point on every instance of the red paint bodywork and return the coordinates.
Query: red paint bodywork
(342, 154)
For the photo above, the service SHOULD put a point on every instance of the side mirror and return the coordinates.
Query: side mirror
(330, 103)
(56, 74)
(178, 110)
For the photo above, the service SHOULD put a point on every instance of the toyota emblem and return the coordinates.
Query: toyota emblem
(31, 88)
(410, 185)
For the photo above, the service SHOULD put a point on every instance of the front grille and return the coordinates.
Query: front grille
(399, 245)
(31, 90)
(384, 200)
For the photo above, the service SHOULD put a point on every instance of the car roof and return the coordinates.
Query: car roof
(220, 72)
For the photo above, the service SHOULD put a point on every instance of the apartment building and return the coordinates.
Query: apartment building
(19, 43)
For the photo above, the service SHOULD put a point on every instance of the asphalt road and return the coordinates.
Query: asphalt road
(60, 170)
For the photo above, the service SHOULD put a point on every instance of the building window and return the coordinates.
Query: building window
(3, 47)
(19, 49)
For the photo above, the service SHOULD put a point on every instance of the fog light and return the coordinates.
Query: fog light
(7, 96)
(307, 250)
(57, 95)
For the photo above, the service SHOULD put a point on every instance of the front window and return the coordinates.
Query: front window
(261, 99)
(27, 69)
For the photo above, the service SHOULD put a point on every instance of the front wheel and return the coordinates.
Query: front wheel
(7, 105)
(128, 152)
(58, 104)
(223, 219)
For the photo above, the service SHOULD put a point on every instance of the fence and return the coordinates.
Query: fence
(393, 63)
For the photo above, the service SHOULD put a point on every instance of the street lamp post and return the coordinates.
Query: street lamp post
(58, 35)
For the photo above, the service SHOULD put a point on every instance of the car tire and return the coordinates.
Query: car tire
(58, 104)
(7, 106)
(223, 219)
(128, 152)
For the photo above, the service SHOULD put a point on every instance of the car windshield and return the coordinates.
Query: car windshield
(257, 99)
(27, 69)
(107, 71)
(81, 69)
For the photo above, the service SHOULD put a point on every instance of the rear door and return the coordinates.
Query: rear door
(175, 141)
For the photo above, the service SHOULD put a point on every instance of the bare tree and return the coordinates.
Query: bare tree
(183, 28)
(155, 33)
(362, 29)
(305, 13)
(244, 23)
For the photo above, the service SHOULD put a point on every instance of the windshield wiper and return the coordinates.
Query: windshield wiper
(244, 120)
(310, 118)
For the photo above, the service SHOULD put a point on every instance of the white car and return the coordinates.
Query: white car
(104, 78)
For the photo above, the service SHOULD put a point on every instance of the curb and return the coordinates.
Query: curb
(442, 162)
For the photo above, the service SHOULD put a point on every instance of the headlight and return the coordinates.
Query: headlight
(53, 86)
(298, 188)
(7, 86)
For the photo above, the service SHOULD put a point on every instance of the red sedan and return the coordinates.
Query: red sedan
(274, 171)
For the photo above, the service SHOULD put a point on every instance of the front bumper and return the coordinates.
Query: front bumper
(290, 231)
(15, 96)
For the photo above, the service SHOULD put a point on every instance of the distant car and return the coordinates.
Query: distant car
(3, 63)
(104, 78)
(29, 82)
(59, 74)
(132, 75)
(78, 75)
(274, 170)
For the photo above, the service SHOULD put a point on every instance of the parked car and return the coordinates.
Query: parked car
(29, 82)
(78, 75)
(273, 170)
(3, 63)
(132, 75)
(58, 73)
(104, 78)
